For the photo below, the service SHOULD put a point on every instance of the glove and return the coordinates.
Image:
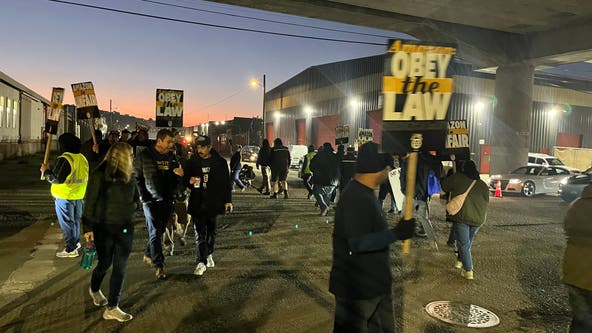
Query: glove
(404, 229)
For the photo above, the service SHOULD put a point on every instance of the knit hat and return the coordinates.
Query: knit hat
(203, 141)
(369, 160)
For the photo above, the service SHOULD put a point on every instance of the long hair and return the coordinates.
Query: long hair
(118, 162)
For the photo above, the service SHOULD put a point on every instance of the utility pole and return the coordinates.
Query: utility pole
(264, 130)
(111, 112)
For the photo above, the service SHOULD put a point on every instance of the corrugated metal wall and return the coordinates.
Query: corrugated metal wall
(329, 90)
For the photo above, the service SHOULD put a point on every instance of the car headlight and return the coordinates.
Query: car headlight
(495, 177)
(563, 181)
(515, 181)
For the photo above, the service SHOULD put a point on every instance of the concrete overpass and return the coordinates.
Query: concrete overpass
(511, 38)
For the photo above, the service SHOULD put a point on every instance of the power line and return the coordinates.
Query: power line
(220, 101)
(216, 25)
(265, 20)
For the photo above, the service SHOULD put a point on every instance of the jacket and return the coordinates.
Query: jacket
(235, 161)
(108, 201)
(577, 266)
(425, 163)
(347, 169)
(154, 185)
(263, 158)
(305, 169)
(474, 209)
(325, 169)
(280, 158)
(218, 192)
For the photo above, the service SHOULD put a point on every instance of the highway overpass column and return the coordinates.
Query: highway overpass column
(512, 117)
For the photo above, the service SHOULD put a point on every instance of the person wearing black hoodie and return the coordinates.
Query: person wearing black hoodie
(263, 160)
(325, 170)
(68, 178)
(235, 168)
(207, 177)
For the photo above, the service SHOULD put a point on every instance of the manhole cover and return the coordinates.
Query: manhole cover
(468, 315)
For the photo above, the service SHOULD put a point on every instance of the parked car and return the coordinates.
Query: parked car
(535, 159)
(572, 187)
(249, 153)
(531, 180)
(297, 153)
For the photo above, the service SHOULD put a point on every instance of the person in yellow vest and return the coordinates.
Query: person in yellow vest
(68, 179)
(305, 172)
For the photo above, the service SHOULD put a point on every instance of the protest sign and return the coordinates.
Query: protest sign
(169, 108)
(86, 101)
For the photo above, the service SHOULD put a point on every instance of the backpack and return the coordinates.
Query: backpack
(433, 183)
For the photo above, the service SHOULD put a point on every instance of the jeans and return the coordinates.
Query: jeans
(464, 239)
(367, 315)
(114, 245)
(157, 215)
(205, 236)
(421, 214)
(236, 180)
(69, 213)
(265, 186)
(580, 301)
(323, 195)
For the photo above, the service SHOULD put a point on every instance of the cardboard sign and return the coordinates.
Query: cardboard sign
(458, 134)
(342, 134)
(55, 108)
(365, 135)
(169, 108)
(86, 101)
(416, 94)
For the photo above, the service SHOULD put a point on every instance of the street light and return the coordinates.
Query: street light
(254, 84)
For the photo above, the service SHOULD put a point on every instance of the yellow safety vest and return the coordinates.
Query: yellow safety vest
(74, 187)
(309, 157)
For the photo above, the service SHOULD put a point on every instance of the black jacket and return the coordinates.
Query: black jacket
(279, 158)
(153, 184)
(212, 201)
(325, 168)
(425, 163)
(347, 169)
(108, 201)
(235, 161)
(263, 158)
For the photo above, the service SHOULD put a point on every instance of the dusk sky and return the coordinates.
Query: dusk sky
(48, 44)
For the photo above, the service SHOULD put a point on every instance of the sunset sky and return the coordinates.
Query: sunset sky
(48, 44)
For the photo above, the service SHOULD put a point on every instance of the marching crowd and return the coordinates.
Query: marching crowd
(99, 186)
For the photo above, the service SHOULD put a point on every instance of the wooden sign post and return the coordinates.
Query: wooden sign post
(416, 142)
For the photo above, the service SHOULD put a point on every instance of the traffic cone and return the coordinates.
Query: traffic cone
(498, 190)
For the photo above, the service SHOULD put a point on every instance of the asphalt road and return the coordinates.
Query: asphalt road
(277, 279)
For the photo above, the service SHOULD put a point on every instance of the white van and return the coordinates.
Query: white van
(535, 159)
(297, 153)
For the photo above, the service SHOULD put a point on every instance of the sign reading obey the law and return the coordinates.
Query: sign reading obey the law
(86, 100)
(169, 108)
(417, 90)
(55, 108)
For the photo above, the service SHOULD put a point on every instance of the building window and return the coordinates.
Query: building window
(1, 111)
(8, 117)
(14, 112)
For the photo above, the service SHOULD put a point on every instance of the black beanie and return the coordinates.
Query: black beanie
(369, 160)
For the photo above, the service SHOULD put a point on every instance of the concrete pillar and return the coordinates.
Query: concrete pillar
(512, 117)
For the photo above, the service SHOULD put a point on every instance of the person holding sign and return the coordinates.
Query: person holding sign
(361, 274)
(472, 214)
(68, 178)
(157, 174)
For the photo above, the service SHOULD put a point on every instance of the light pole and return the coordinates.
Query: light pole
(255, 83)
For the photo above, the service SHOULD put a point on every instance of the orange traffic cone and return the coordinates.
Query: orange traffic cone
(498, 190)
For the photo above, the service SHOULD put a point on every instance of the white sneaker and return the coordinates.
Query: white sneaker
(98, 297)
(116, 313)
(200, 269)
(211, 262)
(466, 274)
(66, 254)
(458, 264)
(78, 246)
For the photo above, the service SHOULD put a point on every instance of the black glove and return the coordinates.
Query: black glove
(404, 229)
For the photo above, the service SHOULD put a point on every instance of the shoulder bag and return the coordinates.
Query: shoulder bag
(455, 204)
